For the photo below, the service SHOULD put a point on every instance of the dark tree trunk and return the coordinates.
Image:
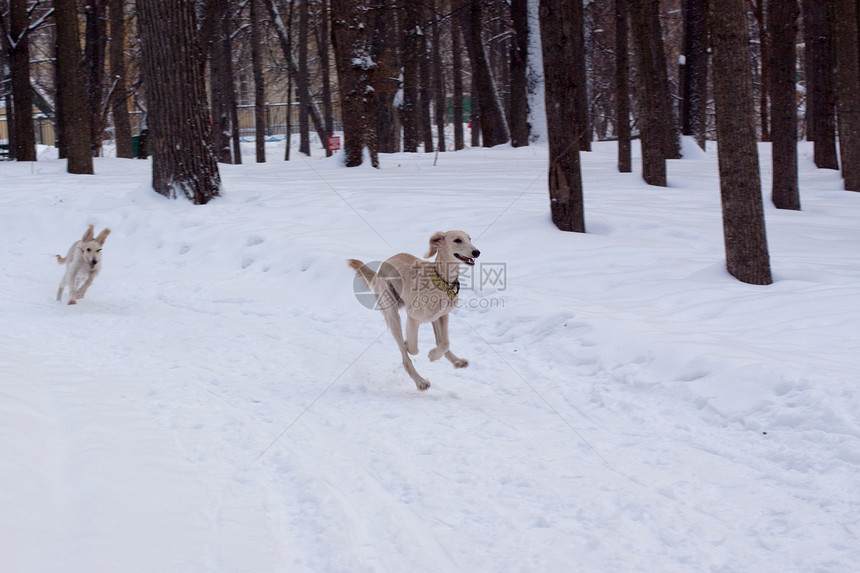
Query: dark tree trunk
(119, 101)
(303, 81)
(694, 70)
(657, 127)
(325, 71)
(494, 130)
(425, 88)
(622, 87)
(764, 59)
(259, 84)
(820, 82)
(439, 107)
(848, 86)
(557, 20)
(457, 81)
(217, 32)
(351, 38)
(21, 134)
(782, 23)
(519, 113)
(172, 69)
(411, 43)
(72, 90)
(747, 256)
(386, 52)
(94, 56)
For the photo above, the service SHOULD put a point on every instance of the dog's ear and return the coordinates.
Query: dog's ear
(435, 241)
(103, 236)
(88, 234)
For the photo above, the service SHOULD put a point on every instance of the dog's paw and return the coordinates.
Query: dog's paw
(422, 384)
(73, 301)
(436, 354)
(460, 363)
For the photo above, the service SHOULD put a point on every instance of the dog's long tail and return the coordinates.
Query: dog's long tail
(60, 260)
(361, 270)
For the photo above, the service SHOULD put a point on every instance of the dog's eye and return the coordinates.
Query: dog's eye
(458, 241)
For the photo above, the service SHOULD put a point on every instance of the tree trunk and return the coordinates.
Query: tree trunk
(72, 90)
(325, 71)
(764, 60)
(385, 53)
(519, 113)
(457, 80)
(439, 107)
(303, 81)
(172, 69)
(694, 70)
(259, 84)
(557, 21)
(216, 32)
(22, 134)
(425, 89)
(356, 71)
(622, 87)
(411, 42)
(656, 118)
(820, 82)
(782, 23)
(747, 256)
(494, 130)
(119, 101)
(94, 57)
(848, 86)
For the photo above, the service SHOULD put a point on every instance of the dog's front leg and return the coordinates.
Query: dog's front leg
(392, 319)
(440, 329)
(83, 290)
(411, 335)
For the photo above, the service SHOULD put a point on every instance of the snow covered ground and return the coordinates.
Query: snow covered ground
(221, 402)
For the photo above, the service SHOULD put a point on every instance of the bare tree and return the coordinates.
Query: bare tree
(172, 66)
(356, 71)
(303, 80)
(259, 84)
(95, 49)
(519, 108)
(73, 117)
(558, 23)
(848, 86)
(494, 129)
(119, 105)
(782, 23)
(17, 46)
(694, 70)
(747, 256)
(820, 81)
(457, 81)
(622, 87)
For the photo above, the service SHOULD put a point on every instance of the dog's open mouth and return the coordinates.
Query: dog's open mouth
(467, 260)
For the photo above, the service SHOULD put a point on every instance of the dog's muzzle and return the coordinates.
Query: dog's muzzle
(469, 260)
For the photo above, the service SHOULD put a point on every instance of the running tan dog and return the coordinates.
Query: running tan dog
(428, 292)
(83, 264)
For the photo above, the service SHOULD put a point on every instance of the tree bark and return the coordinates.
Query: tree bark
(744, 234)
(557, 20)
(356, 70)
(694, 70)
(782, 23)
(622, 87)
(303, 81)
(119, 101)
(848, 86)
(259, 84)
(439, 107)
(22, 134)
(386, 53)
(457, 81)
(72, 90)
(172, 68)
(519, 113)
(323, 38)
(820, 82)
(411, 42)
(94, 57)
(494, 130)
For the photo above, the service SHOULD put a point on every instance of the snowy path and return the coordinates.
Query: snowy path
(220, 402)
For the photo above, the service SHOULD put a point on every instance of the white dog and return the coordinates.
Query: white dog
(427, 290)
(83, 264)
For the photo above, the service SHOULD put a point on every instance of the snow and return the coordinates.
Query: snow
(221, 402)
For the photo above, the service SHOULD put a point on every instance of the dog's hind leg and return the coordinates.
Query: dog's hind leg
(440, 329)
(411, 335)
(392, 319)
